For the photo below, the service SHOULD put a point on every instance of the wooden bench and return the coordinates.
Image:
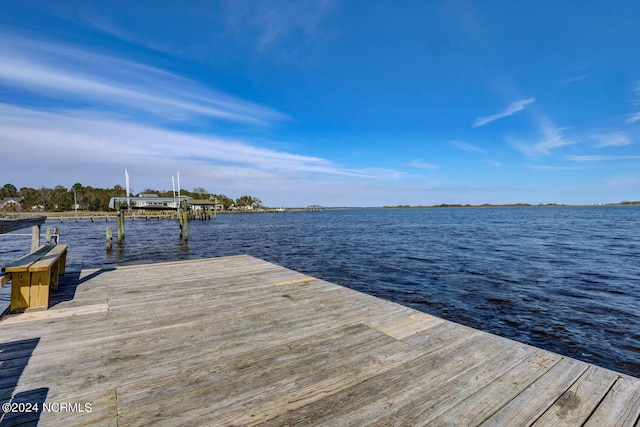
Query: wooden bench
(32, 276)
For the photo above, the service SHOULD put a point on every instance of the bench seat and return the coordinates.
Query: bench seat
(33, 275)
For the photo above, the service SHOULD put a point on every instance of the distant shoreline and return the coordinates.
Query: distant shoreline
(514, 205)
(170, 214)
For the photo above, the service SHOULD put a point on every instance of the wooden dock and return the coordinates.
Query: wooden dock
(237, 341)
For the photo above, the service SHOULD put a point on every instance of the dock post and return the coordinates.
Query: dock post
(122, 225)
(186, 225)
(48, 236)
(120, 221)
(109, 238)
(35, 237)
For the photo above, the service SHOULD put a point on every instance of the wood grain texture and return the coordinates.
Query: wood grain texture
(237, 341)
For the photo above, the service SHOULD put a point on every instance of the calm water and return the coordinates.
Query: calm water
(566, 279)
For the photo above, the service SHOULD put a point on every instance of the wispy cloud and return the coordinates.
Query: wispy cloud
(572, 79)
(467, 147)
(615, 139)
(557, 168)
(631, 182)
(596, 158)
(64, 73)
(423, 165)
(551, 138)
(633, 118)
(57, 142)
(510, 110)
(270, 24)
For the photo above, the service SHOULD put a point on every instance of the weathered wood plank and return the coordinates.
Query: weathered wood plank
(303, 279)
(248, 395)
(580, 400)
(620, 407)
(97, 408)
(207, 338)
(540, 396)
(371, 400)
(54, 314)
(410, 325)
(477, 367)
(480, 405)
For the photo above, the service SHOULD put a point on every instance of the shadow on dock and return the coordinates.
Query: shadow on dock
(25, 407)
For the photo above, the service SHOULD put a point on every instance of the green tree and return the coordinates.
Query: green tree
(222, 200)
(249, 201)
(30, 198)
(61, 198)
(9, 190)
(200, 193)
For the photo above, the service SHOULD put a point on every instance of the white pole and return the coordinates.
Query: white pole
(173, 184)
(126, 180)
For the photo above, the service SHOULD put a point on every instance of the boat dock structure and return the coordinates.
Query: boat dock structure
(238, 341)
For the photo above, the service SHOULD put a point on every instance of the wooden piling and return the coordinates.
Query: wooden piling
(35, 237)
(120, 226)
(109, 238)
(186, 225)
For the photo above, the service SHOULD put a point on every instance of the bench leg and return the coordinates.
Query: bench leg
(40, 282)
(62, 264)
(53, 278)
(20, 291)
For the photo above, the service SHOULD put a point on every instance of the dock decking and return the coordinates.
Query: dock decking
(238, 341)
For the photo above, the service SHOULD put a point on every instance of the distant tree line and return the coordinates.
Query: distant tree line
(60, 198)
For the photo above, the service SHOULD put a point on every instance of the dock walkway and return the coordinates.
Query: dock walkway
(237, 341)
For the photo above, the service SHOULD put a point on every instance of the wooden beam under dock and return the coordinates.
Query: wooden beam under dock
(12, 224)
(238, 341)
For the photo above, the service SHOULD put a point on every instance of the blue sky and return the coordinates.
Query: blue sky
(339, 103)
